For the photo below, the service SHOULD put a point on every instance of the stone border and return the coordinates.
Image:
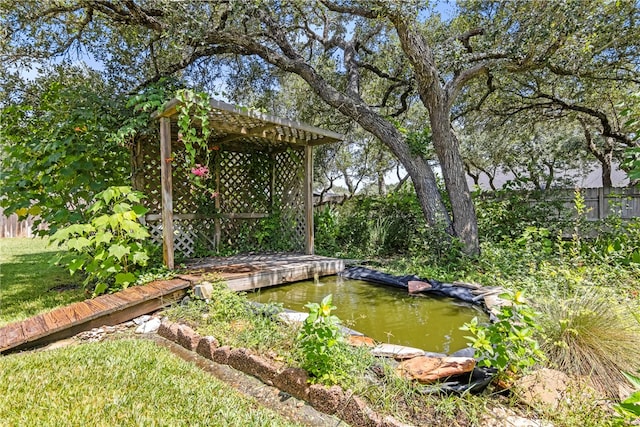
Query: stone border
(331, 400)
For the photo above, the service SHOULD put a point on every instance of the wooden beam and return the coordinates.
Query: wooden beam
(308, 199)
(167, 192)
(260, 131)
(320, 135)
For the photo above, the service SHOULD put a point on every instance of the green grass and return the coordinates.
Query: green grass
(123, 383)
(28, 280)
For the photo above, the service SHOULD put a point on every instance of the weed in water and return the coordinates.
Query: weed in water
(321, 342)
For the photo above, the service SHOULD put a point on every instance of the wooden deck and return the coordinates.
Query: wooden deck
(250, 272)
(240, 272)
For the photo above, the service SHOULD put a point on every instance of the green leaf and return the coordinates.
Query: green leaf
(75, 265)
(105, 237)
(125, 278)
(100, 288)
(139, 210)
(140, 258)
(78, 243)
(118, 251)
(633, 379)
(107, 195)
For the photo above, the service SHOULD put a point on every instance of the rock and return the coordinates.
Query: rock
(141, 319)
(542, 388)
(356, 412)
(399, 352)
(264, 369)
(360, 340)
(327, 400)
(429, 369)
(206, 347)
(221, 355)
(292, 317)
(294, 381)
(149, 327)
(187, 337)
(203, 290)
(416, 286)
(251, 364)
(169, 330)
(504, 417)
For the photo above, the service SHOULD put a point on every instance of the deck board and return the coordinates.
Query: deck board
(244, 272)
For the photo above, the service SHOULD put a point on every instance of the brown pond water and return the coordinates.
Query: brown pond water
(384, 313)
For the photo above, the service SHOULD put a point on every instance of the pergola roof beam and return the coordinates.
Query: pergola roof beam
(241, 123)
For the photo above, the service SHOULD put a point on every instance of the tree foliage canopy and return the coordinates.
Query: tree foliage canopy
(56, 147)
(387, 66)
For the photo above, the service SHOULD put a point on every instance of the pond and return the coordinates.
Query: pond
(386, 314)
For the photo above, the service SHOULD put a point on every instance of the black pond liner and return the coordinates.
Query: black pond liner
(474, 382)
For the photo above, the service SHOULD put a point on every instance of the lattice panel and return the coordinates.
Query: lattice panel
(146, 173)
(194, 237)
(244, 182)
(238, 235)
(155, 229)
(188, 199)
(289, 195)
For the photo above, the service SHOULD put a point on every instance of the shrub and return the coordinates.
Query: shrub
(505, 214)
(320, 340)
(109, 248)
(381, 226)
(507, 344)
(589, 333)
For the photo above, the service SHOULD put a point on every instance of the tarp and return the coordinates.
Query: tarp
(437, 288)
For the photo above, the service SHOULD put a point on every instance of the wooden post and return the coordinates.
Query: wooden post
(308, 199)
(167, 192)
(216, 221)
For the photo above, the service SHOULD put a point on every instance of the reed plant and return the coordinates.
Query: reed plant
(591, 333)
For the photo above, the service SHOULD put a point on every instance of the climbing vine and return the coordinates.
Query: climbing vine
(194, 109)
(194, 132)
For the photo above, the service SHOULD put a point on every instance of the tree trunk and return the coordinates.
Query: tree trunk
(465, 222)
(606, 172)
(438, 102)
(382, 186)
(603, 156)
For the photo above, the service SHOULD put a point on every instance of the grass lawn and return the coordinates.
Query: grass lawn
(123, 383)
(29, 283)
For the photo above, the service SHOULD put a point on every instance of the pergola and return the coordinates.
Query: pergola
(262, 170)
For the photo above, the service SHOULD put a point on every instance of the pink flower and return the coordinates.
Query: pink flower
(201, 171)
(214, 194)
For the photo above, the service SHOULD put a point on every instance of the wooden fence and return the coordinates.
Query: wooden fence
(601, 202)
(12, 227)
